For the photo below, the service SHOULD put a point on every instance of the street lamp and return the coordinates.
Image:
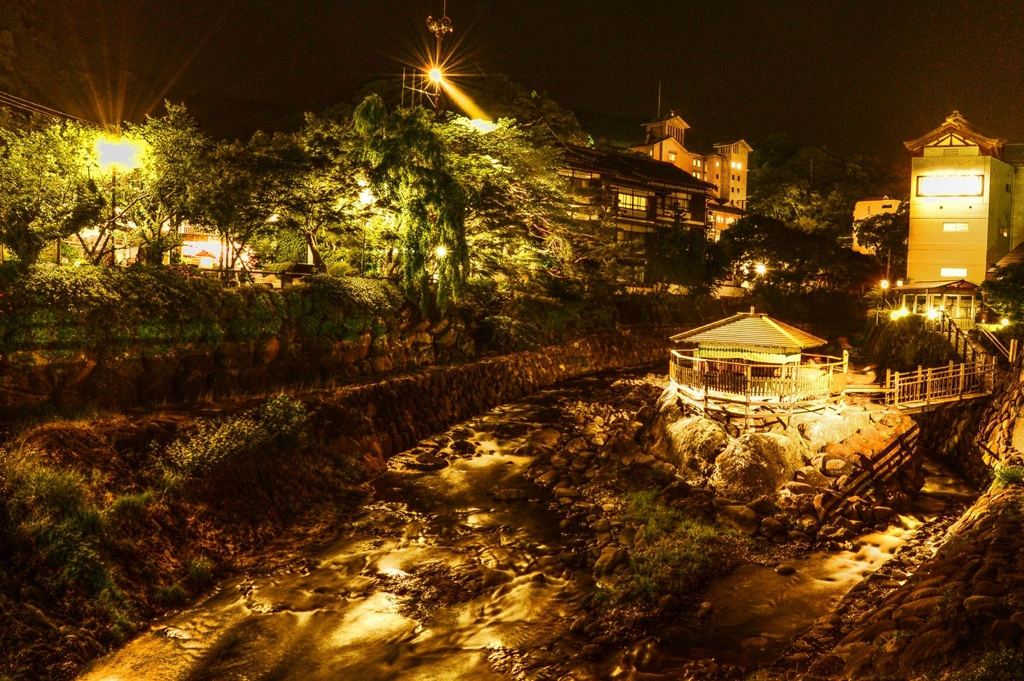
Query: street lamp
(441, 252)
(884, 284)
(760, 268)
(117, 153)
(366, 198)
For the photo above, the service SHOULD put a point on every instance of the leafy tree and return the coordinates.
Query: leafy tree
(792, 258)
(1005, 291)
(316, 187)
(686, 257)
(45, 190)
(887, 234)
(517, 222)
(409, 169)
(814, 188)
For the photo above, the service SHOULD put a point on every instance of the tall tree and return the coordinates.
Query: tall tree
(46, 193)
(887, 234)
(409, 169)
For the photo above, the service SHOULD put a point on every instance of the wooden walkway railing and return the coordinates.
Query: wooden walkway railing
(932, 386)
(758, 381)
(953, 330)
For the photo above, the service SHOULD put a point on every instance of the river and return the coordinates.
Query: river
(436, 580)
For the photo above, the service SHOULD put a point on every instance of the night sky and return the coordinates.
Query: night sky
(854, 75)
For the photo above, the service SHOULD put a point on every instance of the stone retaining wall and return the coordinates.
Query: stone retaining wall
(389, 416)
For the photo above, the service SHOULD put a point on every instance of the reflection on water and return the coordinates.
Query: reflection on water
(361, 612)
(435, 579)
(757, 611)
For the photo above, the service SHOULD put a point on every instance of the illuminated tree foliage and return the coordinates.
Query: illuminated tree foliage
(887, 234)
(1005, 291)
(408, 168)
(46, 193)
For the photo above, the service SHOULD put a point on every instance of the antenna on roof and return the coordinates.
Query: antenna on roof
(659, 101)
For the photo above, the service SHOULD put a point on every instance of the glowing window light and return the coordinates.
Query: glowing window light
(1004, 321)
(953, 272)
(951, 185)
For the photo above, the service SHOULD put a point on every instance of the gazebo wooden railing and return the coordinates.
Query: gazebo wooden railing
(758, 382)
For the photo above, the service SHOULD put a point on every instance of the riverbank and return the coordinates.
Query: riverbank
(483, 556)
(109, 523)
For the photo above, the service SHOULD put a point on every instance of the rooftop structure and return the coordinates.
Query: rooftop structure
(752, 367)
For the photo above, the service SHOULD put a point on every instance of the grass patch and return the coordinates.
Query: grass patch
(131, 508)
(677, 553)
(1005, 665)
(1008, 475)
(171, 596)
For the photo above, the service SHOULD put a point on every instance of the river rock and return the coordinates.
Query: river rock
(756, 464)
(926, 646)
(740, 518)
(690, 444)
(670, 603)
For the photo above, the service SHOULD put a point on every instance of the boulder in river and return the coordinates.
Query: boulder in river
(757, 464)
(688, 443)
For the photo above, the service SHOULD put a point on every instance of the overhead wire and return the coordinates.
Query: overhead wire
(16, 102)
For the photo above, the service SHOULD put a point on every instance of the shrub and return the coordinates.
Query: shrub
(1005, 665)
(200, 572)
(131, 508)
(1008, 475)
(677, 552)
(276, 425)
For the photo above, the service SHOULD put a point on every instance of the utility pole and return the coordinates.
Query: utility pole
(440, 28)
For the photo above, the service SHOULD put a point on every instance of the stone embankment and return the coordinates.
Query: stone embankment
(796, 483)
(141, 374)
(387, 417)
(961, 611)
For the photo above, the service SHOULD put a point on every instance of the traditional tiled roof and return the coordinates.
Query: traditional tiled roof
(629, 165)
(957, 124)
(937, 285)
(751, 328)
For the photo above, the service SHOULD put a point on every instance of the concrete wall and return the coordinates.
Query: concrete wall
(988, 217)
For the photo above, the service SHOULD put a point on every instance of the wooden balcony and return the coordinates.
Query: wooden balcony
(817, 377)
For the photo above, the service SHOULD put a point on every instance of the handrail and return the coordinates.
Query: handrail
(996, 343)
(962, 343)
(927, 385)
(755, 381)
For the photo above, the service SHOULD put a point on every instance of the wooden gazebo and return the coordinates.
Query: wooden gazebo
(753, 367)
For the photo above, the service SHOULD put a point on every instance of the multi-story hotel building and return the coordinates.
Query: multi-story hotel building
(725, 168)
(964, 218)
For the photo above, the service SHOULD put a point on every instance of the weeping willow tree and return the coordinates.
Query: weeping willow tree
(409, 169)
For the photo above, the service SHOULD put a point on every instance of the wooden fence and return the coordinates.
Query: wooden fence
(758, 382)
(927, 386)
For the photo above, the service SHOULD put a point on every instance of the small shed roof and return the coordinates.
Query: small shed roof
(751, 328)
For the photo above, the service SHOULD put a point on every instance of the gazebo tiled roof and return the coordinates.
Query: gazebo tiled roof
(753, 329)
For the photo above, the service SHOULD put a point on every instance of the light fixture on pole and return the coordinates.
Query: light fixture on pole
(115, 153)
(366, 198)
(440, 28)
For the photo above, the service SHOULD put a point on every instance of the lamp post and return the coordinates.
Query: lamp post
(366, 198)
(117, 153)
(440, 28)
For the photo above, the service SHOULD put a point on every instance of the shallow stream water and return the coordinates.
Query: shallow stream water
(435, 580)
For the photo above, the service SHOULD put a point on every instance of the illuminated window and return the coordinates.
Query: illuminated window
(739, 166)
(718, 163)
(954, 227)
(951, 185)
(672, 156)
(633, 203)
(955, 272)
